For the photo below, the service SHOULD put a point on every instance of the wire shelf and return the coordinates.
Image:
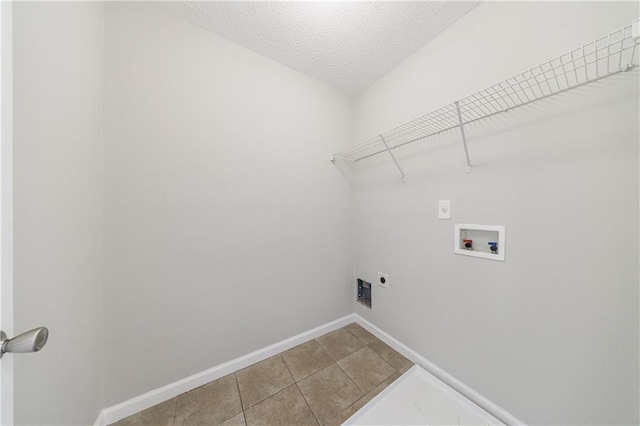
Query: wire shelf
(598, 59)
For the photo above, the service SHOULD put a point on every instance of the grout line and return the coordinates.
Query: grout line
(324, 368)
(308, 406)
(239, 393)
(395, 370)
(357, 338)
(322, 346)
(294, 380)
(300, 390)
(343, 370)
(175, 410)
(191, 383)
(287, 366)
(296, 383)
(356, 401)
(350, 378)
(336, 360)
(368, 394)
(314, 372)
(258, 402)
(271, 396)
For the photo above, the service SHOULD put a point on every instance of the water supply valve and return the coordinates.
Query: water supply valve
(468, 244)
(493, 246)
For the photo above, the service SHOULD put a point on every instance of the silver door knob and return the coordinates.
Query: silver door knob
(29, 341)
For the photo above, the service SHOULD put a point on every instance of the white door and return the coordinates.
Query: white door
(51, 183)
(6, 210)
(33, 340)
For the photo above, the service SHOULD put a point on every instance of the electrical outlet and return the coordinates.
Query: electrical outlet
(444, 209)
(383, 280)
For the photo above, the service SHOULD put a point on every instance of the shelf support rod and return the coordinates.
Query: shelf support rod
(393, 157)
(464, 138)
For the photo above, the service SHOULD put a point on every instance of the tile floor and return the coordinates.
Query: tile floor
(321, 382)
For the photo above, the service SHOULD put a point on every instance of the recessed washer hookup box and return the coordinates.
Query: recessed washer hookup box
(484, 241)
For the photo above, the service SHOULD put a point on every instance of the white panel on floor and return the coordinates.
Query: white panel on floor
(418, 398)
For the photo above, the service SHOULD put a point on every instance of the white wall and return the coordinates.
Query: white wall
(226, 223)
(58, 52)
(227, 227)
(551, 335)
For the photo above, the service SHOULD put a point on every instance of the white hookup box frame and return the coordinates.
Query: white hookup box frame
(481, 236)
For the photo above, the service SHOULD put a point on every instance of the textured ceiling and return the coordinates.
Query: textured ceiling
(347, 44)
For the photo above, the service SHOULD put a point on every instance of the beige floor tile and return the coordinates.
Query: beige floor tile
(285, 408)
(262, 380)
(366, 368)
(158, 415)
(349, 411)
(339, 343)
(237, 420)
(306, 359)
(352, 409)
(375, 391)
(362, 334)
(209, 404)
(385, 351)
(329, 392)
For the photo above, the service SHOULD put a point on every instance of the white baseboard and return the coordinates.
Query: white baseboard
(100, 421)
(134, 405)
(466, 391)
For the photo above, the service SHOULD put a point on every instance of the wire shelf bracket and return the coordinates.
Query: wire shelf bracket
(464, 138)
(606, 56)
(393, 157)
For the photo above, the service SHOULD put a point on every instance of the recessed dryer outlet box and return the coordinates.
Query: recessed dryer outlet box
(383, 280)
(364, 293)
(484, 241)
